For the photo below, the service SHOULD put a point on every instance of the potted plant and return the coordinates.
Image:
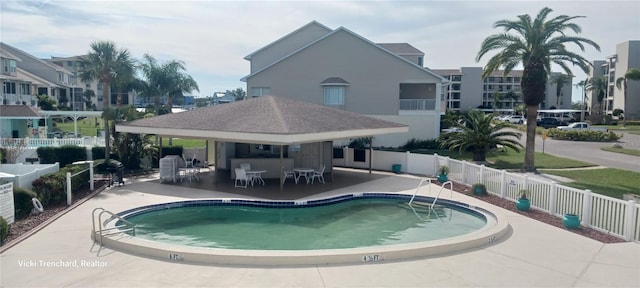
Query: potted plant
(479, 189)
(522, 203)
(571, 221)
(443, 171)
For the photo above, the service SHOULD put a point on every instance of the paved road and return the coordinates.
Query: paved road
(590, 151)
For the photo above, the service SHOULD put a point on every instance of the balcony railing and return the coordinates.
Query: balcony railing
(418, 104)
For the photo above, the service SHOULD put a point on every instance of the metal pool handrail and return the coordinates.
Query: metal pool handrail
(101, 231)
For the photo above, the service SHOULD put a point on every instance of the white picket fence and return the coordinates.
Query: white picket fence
(616, 217)
(48, 142)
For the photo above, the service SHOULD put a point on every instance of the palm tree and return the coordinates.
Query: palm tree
(512, 96)
(598, 86)
(479, 135)
(560, 80)
(535, 44)
(166, 80)
(583, 84)
(497, 97)
(102, 63)
(631, 74)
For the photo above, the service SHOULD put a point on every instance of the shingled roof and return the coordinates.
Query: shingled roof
(18, 111)
(266, 120)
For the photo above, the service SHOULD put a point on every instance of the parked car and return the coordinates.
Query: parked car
(452, 130)
(548, 122)
(516, 119)
(582, 126)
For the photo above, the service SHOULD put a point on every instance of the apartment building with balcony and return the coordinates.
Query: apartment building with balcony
(341, 69)
(47, 79)
(613, 67)
(468, 90)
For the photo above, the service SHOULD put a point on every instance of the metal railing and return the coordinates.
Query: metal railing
(418, 104)
(101, 232)
(55, 142)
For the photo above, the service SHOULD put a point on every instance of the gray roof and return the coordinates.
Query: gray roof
(267, 120)
(18, 111)
(401, 48)
(334, 80)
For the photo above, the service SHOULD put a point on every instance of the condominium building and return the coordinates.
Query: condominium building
(613, 67)
(468, 90)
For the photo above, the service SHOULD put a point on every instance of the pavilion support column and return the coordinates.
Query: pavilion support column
(281, 169)
(370, 153)
(159, 149)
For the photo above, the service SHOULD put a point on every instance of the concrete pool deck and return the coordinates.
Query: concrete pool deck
(534, 254)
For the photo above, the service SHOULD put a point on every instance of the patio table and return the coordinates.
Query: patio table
(256, 175)
(303, 172)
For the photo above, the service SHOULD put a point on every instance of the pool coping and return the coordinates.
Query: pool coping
(497, 227)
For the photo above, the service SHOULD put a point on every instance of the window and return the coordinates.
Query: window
(260, 91)
(9, 88)
(9, 66)
(25, 89)
(420, 60)
(333, 95)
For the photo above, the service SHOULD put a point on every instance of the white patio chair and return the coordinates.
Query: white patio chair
(241, 178)
(289, 174)
(318, 174)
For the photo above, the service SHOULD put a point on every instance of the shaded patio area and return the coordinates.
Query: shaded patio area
(221, 181)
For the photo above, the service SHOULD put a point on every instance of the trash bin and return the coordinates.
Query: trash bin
(396, 168)
(116, 172)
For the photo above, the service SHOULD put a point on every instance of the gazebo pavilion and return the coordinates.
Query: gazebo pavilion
(275, 132)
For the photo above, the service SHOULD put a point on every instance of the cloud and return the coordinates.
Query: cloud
(212, 37)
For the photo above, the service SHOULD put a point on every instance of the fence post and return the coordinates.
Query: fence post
(407, 160)
(464, 172)
(91, 175)
(503, 183)
(69, 188)
(586, 209)
(482, 174)
(629, 220)
(552, 198)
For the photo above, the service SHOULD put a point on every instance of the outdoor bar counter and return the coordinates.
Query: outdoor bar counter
(271, 165)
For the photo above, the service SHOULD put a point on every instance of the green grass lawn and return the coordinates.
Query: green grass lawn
(627, 151)
(628, 128)
(511, 160)
(86, 127)
(185, 143)
(608, 181)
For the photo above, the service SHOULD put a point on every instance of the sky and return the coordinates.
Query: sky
(213, 37)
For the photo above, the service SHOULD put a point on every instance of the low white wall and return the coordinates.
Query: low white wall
(26, 173)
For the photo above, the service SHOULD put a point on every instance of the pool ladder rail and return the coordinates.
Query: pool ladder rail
(101, 232)
(437, 195)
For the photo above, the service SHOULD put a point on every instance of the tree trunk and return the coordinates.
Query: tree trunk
(106, 89)
(530, 148)
(479, 155)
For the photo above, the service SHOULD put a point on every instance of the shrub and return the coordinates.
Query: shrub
(22, 201)
(479, 189)
(51, 188)
(415, 144)
(595, 136)
(64, 155)
(4, 229)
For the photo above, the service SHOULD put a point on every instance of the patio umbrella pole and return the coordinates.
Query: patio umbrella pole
(281, 168)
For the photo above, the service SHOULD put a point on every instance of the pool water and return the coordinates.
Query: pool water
(360, 222)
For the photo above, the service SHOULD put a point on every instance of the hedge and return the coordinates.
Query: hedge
(64, 155)
(595, 136)
(22, 201)
(51, 188)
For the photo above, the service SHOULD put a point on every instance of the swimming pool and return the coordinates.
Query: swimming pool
(354, 223)
(362, 227)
